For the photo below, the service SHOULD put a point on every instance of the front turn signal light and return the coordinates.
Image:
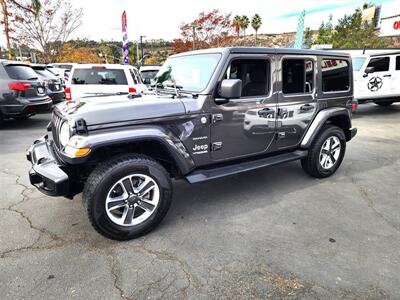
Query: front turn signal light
(74, 152)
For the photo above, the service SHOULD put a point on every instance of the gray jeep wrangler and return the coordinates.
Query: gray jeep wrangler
(211, 113)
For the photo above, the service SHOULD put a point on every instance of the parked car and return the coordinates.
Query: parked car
(65, 66)
(96, 79)
(123, 150)
(52, 83)
(148, 73)
(22, 94)
(377, 78)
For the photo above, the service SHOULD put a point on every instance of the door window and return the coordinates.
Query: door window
(335, 75)
(397, 63)
(381, 64)
(297, 76)
(254, 73)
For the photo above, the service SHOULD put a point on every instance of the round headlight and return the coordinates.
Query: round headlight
(64, 134)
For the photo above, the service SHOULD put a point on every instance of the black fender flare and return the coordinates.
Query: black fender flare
(97, 140)
(320, 120)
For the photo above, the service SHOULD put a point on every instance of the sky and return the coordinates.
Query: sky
(161, 18)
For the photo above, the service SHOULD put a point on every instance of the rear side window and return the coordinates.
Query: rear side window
(99, 76)
(381, 64)
(21, 72)
(398, 63)
(335, 75)
(297, 76)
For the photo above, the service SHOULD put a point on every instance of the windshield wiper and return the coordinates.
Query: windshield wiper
(33, 78)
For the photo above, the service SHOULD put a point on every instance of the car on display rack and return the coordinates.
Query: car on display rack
(102, 79)
(52, 83)
(377, 78)
(122, 151)
(22, 93)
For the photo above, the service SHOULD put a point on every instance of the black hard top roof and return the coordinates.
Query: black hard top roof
(254, 50)
(262, 50)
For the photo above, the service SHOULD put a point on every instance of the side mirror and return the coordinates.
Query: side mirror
(229, 89)
(369, 70)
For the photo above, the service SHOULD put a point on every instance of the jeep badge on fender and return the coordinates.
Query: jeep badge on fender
(228, 111)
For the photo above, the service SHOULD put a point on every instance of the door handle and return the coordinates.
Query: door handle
(306, 107)
(387, 75)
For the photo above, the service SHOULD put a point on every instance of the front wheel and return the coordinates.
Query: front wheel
(127, 197)
(326, 152)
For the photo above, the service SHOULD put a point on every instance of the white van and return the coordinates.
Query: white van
(377, 78)
(98, 79)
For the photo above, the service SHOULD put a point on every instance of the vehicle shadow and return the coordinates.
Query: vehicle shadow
(34, 122)
(371, 109)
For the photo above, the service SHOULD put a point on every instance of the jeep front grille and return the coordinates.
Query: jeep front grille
(56, 122)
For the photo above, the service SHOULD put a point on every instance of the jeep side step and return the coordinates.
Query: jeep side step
(208, 174)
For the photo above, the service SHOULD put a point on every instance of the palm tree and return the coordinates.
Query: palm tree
(237, 21)
(244, 24)
(256, 23)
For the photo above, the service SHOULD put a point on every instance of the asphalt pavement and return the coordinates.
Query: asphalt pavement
(271, 233)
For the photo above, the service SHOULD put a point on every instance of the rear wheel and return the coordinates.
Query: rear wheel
(127, 197)
(326, 152)
(384, 103)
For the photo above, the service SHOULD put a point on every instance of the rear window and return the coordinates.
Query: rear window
(99, 76)
(381, 64)
(45, 73)
(21, 72)
(149, 74)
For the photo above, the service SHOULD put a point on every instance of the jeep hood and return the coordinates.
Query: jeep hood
(112, 109)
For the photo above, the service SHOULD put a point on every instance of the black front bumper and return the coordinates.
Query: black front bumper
(46, 173)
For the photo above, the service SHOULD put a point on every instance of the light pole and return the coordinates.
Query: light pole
(141, 46)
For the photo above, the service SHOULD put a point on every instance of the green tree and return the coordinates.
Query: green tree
(352, 32)
(237, 21)
(256, 23)
(308, 38)
(244, 23)
(325, 32)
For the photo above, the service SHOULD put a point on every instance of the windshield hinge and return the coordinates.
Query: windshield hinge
(80, 126)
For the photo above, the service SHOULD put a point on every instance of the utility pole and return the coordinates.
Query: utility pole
(194, 35)
(141, 45)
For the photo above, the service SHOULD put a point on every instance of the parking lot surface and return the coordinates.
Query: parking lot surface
(271, 233)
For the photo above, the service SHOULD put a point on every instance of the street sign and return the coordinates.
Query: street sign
(390, 26)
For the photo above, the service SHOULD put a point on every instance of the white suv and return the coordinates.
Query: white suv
(97, 79)
(377, 78)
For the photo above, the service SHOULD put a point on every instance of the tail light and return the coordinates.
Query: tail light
(354, 105)
(98, 67)
(68, 93)
(132, 90)
(19, 86)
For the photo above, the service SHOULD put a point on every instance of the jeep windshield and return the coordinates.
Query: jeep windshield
(189, 73)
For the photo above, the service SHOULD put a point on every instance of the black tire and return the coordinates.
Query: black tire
(103, 178)
(384, 103)
(311, 164)
(1, 119)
